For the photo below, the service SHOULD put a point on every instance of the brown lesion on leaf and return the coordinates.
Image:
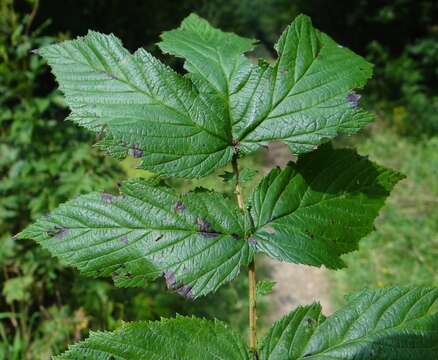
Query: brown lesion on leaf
(169, 277)
(171, 283)
(185, 291)
(205, 228)
(136, 151)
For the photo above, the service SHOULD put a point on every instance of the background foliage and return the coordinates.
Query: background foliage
(45, 161)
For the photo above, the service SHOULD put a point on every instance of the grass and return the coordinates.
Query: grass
(404, 248)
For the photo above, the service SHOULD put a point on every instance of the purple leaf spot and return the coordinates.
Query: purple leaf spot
(136, 151)
(179, 206)
(203, 225)
(169, 276)
(62, 233)
(185, 291)
(353, 99)
(209, 235)
(253, 241)
(108, 198)
(124, 240)
(205, 228)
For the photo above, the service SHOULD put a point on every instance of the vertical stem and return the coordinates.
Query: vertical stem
(251, 273)
(252, 308)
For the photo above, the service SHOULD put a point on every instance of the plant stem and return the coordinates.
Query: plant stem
(251, 273)
(252, 308)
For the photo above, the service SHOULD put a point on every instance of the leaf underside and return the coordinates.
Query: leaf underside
(314, 211)
(195, 240)
(187, 126)
(170, 339)
(383, 324)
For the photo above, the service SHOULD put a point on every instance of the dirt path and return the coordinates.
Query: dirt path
(296, 284)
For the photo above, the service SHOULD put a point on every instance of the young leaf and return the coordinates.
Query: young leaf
(390, 324)
(189, 126)
(182, 338)
(264, 287)
(195, 240)
(247, 175)
(315, 210)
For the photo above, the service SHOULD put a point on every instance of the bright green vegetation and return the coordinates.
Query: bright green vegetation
(404, 248)
(311, 212)
(195, 124)
(372, 325)
(388, 324)
(45, 161)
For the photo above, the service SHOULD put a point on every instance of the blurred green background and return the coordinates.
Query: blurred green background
(45, 161)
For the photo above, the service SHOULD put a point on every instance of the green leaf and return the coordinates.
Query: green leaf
(212, 56)
(307, 97)
(390, 324)
(264, 287)
(314, 211)
(17, 289)
(141, 104)
(194, 240)
(188, 126)
(303, 99)
(181, 338)
(247, 175)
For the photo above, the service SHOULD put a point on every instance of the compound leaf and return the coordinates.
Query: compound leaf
(188, 126)
(390, 324)
(314, 211)
(194, 240)
(182, 338)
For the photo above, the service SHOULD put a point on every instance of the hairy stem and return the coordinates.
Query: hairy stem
(251, 272)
